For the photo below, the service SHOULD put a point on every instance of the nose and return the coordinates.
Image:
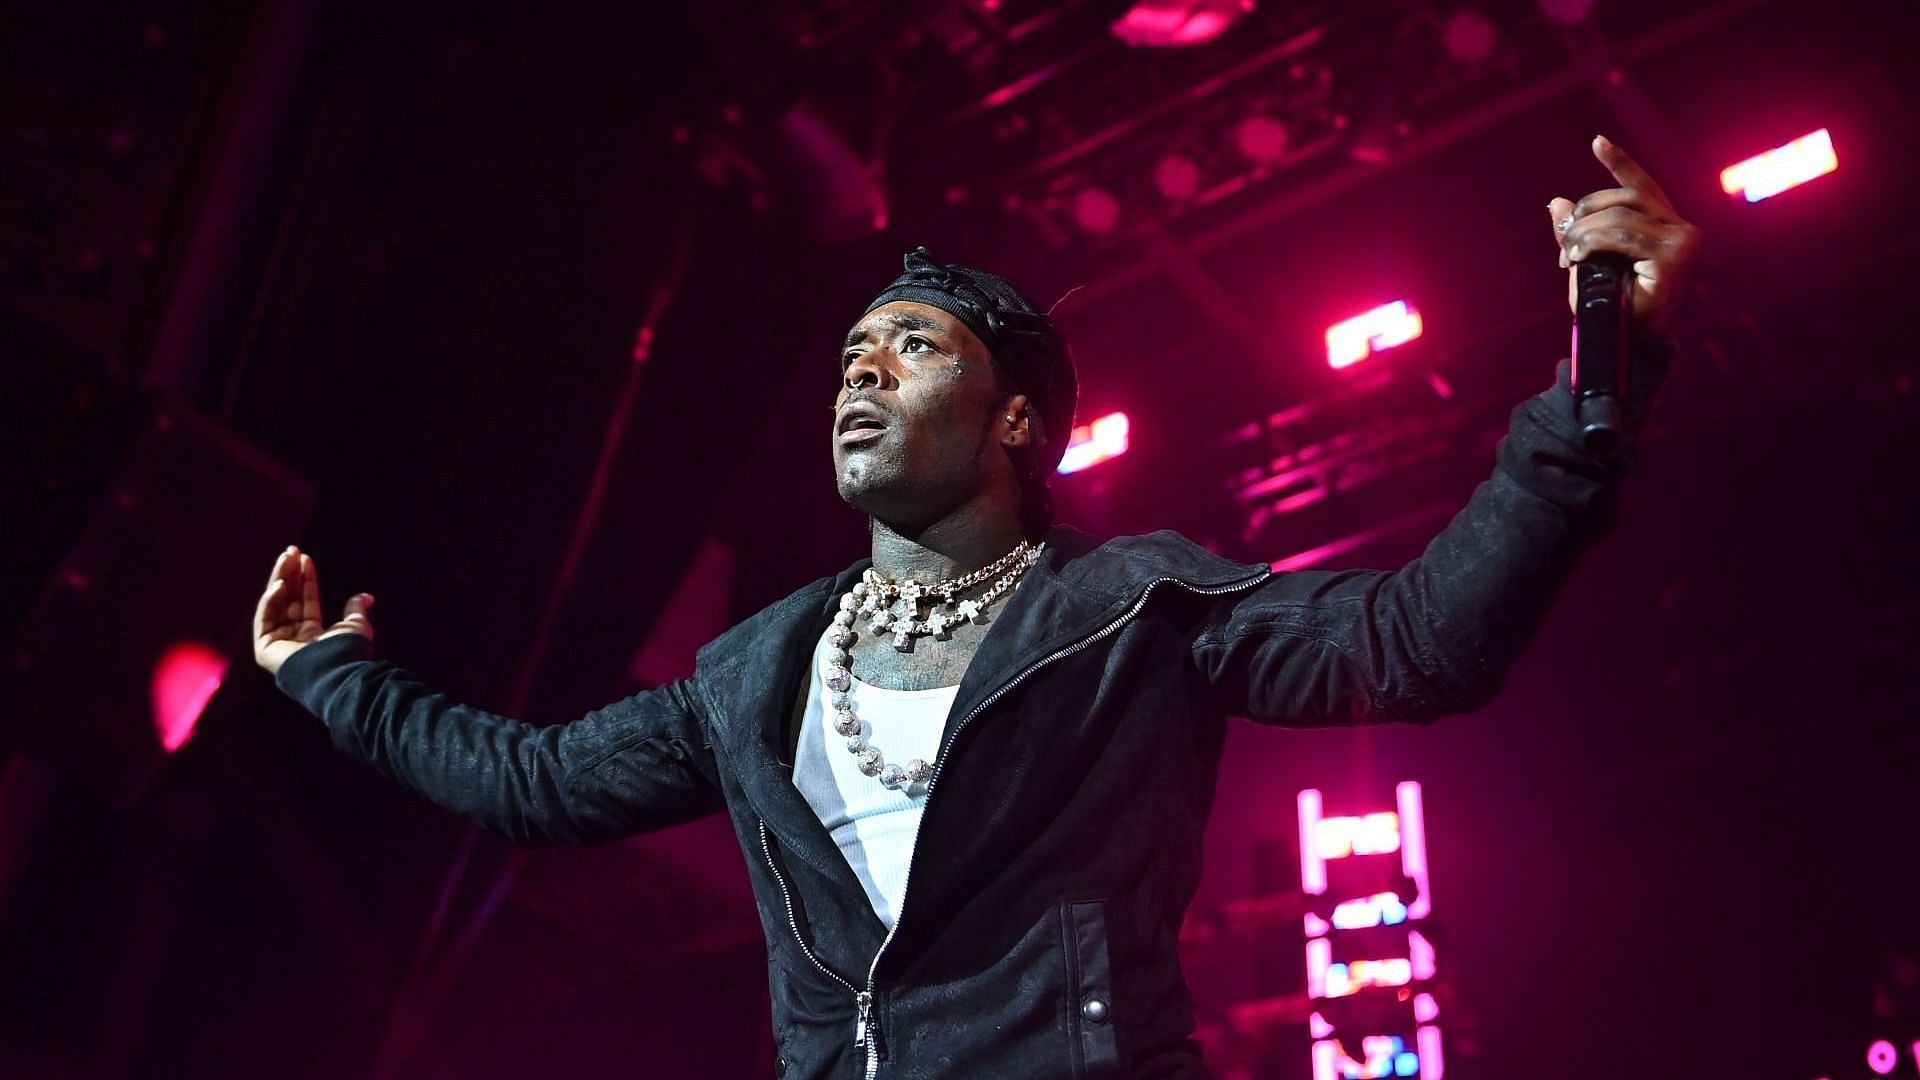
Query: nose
(866, 370)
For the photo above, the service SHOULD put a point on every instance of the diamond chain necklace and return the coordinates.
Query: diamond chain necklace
(890, 605)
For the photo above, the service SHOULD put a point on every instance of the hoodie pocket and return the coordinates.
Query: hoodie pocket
(1090, 1007)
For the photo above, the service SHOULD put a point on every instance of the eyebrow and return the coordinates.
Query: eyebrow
(899, 321)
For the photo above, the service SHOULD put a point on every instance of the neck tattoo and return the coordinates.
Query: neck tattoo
(896, 605)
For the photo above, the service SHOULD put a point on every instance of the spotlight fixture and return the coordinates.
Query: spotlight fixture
(1781, 168)
(1260, 139)
(1468, 36)
(1173, 24)
(1096, 210)
(1177, 177)
(184, 680)
(1094, 443)
(1353, 340)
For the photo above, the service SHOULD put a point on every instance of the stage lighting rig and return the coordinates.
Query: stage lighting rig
(1332, 448)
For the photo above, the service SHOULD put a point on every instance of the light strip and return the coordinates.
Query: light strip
(1313, 869)
(1413, 845)
(1782, 168)
(1353, 340)
(1091, 444)
(1432, 1065)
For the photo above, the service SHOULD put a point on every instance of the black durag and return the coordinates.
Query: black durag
(1030, 351)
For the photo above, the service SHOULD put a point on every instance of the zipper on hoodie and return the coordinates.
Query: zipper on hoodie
(865, 1033)
(866, 1026)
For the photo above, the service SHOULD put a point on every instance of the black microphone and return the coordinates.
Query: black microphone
(1602, 317)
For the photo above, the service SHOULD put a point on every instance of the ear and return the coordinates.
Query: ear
(1014, 423)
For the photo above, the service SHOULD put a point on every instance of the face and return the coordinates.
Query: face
(920, 422)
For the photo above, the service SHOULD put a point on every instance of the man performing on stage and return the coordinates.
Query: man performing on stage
(970, 778)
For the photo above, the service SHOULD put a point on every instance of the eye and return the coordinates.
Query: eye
(916, 343)
(847, 358)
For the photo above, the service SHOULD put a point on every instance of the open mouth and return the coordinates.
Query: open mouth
(859, 423)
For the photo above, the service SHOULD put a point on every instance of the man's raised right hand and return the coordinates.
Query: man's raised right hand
(288, 617)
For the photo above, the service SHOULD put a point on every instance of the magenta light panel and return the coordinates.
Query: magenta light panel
(1346, 959)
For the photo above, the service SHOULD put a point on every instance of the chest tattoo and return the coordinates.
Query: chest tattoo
(928, 663)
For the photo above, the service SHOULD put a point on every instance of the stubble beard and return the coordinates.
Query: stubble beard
(883, 486)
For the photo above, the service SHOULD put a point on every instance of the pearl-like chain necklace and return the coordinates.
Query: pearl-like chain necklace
(890, 605)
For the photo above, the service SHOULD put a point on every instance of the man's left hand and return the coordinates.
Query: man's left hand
(1635, 220)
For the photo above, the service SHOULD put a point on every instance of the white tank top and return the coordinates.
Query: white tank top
(874, 826)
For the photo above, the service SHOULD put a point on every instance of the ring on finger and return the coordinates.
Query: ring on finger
(1566, 223)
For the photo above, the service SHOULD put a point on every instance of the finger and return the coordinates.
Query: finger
(280, 562)
(277, 575)
(1629, 172)
(309, 594)
(1560, 216)
(1559, 209)
(294, 589)
(356, 618)
(1606, 198)
(276, 580)
(1619, 231)
(265, 617)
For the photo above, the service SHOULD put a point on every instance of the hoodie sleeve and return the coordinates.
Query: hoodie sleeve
(1438, 635)
(638, 764)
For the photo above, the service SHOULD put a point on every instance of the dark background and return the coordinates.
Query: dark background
(368, 277)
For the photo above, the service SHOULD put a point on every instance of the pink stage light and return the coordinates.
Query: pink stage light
(184, 681)
(1177, 23)
(1096, 210)
(1346, 980)
(1391, 972)
(1882, 1058)
(1323, 838)
(1374, 834)
(1432, 1065)
(1313, 869)
(1094, 443)
(1260, 139)
(1420, 955)
(1378, 834)
(1177, 177)
(1380, 1052)
(1781, 168)
(1469, 37)
(1380, 1056)
(1319, 963)
(1380, 909)
(1334, 838)
(1413, 845)
(1355, 339)
(1326, 1055)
